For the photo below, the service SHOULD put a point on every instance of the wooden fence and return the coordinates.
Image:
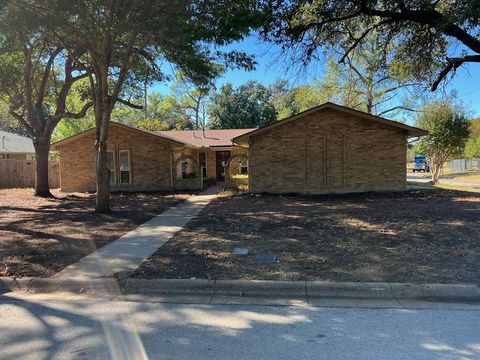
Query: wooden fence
(21, 174)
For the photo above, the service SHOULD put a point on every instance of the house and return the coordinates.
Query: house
(328, 149)
(13, 146)
(142, 160)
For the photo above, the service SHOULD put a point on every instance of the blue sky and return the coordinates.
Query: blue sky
(272, 66)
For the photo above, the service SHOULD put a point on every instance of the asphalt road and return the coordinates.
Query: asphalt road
(52, 329)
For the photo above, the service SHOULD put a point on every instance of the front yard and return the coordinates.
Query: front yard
(39, 237)
(418, 236)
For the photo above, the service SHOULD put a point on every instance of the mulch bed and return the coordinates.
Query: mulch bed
(419, 236)
(39, 237)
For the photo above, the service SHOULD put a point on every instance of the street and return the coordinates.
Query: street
(79, 329)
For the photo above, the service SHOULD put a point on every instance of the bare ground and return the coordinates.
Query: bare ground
(417, 236)
(39, 237)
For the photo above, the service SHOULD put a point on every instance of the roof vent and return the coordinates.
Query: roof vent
(3, 142)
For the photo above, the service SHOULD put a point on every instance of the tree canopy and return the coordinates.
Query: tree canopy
(249, 105)
(423, 32)
(448, 129)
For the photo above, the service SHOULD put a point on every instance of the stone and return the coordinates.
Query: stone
(266, 258)
(240, 251)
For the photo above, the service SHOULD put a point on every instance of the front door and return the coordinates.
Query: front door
(221, 161)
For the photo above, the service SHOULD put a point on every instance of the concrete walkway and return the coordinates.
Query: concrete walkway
(132, 249)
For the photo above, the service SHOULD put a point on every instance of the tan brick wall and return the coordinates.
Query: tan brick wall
(211, 165)
(328, 151)
(149, 161)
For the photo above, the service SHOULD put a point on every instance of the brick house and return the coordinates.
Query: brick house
(329, 148)
(142, 160)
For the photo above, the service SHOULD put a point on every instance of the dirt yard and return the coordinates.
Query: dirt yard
(39, 237)
(418, 236)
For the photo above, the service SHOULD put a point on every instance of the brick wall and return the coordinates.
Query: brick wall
(149, 161)
(328, 151)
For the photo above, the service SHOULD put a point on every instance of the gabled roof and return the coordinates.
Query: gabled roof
(411, 131)
(67, 140)
(189, 138)
(209, 138)
(13, 143)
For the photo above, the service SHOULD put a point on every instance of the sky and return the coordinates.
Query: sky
(271, 65)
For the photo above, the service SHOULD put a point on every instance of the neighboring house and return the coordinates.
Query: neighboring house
(329, 148)
(142, 160)
(13, 146)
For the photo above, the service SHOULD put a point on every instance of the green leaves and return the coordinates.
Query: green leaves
(250, 105)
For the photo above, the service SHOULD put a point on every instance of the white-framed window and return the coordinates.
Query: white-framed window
(243, 167)
(111, 167)
(125, 171)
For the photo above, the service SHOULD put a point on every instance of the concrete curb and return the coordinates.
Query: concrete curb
(303, 290)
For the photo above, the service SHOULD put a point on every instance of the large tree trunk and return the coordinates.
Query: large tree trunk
(103, 182)
(42, 148)
(103, 185)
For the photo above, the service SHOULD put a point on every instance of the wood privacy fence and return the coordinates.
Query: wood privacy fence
(21, 174)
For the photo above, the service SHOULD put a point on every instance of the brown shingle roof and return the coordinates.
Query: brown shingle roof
(212, 137)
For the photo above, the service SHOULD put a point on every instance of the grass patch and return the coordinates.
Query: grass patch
(443, 186)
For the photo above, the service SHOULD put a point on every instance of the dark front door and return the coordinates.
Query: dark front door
(221, 160)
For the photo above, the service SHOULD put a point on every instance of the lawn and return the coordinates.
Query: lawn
(444, 186)
(39, 237)
(416, 236)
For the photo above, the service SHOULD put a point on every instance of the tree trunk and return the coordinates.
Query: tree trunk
(435, 169)
(103, 184)
(42, 148)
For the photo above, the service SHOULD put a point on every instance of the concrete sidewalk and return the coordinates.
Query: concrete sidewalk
(132, 249)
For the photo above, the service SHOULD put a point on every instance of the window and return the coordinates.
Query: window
(202, 159)
(243, 167)
(111, 168)
(184, 169)
(125, 173)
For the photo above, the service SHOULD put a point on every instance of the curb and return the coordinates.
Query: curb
(305, 290)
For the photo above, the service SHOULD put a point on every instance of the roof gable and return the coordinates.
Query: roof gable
(189, 138)
(410, 130)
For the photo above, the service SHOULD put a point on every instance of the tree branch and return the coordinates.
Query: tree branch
(454, 64)
(46, 74)
(81, 113)
(129, 104)
(357, 41)
(396, 108)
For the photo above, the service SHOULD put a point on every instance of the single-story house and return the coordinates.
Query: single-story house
(143, 160)
(329, 148)
(13, 146)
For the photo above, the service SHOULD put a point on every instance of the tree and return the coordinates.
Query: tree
(373, 80)
(448, 129)
(292, 100)
(194, 99)
(124, 40)
(36, 75)
(472, 148)
(424, 31)
(249, 105)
